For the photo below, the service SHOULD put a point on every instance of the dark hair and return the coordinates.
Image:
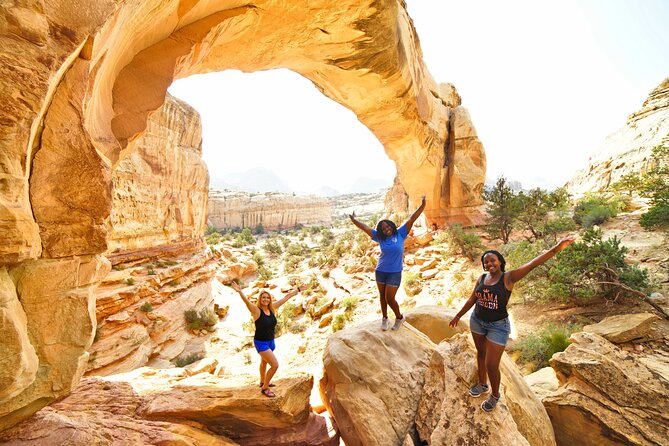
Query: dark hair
(379, 233)
(500, 257)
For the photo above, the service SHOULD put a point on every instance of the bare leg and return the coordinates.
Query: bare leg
(391, 291)
(382, 299)
(270, 359)
(492, 358)
(263, 370)
(480, 342)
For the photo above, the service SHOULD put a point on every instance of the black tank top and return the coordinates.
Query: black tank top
(491, 300)
(265, 327)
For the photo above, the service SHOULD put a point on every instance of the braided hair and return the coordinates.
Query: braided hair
(379, 233)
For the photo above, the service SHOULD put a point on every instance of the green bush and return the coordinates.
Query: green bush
(265, 273)
(199, 319)
(130, 281)
(339, 322)
(272, 246)
(462, 242)
(591, 268)
(517, 254)
(258, 258)
(349, 303)
(146, 307)
(244, 238)
(595, 209)
(213, 239)
(183, 361)
(537, 349)
(151, 272)
(656, 187)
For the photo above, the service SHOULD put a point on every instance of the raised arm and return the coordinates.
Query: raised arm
(285, 298)
(465, 308)
(255, 311)
(360, 225)
(515, 275)
(415, 215)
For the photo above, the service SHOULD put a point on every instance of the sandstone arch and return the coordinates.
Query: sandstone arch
(90, 77)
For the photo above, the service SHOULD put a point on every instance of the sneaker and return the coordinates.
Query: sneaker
(385, 323)
(489, 404)
(478, 390)
(398, 323)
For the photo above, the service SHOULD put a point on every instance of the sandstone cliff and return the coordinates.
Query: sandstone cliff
(160, 189)
(271, 210)
(628, 150)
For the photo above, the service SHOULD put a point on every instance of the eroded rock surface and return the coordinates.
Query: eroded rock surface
(176, 406)
(629, 149)
(609, 396)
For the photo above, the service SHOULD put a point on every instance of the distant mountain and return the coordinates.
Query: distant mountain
(257, 179)
(368, 185)
(326, 191)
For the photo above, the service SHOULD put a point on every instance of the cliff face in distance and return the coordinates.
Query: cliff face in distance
(272, 210)
(629, 149)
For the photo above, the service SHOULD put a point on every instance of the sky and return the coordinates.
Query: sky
(544, 81)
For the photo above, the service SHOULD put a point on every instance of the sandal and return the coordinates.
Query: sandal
(267, 392)
(270, 385)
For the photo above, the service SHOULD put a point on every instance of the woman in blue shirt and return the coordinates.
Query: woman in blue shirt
(389, 267)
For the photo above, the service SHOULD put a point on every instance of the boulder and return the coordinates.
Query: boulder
(626, 327)
(372, 382)
(608, 396)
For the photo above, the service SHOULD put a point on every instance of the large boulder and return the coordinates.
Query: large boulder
(525, 408)
(372, 382)
(626, 328)
(447, 415)
(173, 406)
(608, 396)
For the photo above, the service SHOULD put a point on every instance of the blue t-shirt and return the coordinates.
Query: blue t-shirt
(392, 251)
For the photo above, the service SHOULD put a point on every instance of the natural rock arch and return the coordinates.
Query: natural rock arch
(78, 86)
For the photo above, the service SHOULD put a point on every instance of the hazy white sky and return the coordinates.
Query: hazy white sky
(545, 82)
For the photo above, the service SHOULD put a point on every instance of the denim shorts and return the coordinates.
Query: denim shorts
(261, 346)
(392, 279)
(496, 332)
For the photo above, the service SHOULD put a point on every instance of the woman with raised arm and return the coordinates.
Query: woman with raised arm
(389, 267)
(489, 322)
(264, 316)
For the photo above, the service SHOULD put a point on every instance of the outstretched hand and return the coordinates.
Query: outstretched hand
(422, 200)
(565, 241)
(352, 216)
(235, 286)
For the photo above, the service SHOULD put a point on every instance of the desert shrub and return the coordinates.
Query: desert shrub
(151, 272)
(517, 254)
(210, 230)
(349, 303)
(130, 281)
(213, 239)
(537, 349)
(259, 229)
(595, 209)
(593, 267)
(258, 258)
(656, 187)
(272, 246)
(265, 273)
(199, 319)
(295, 249)
(411, 283)
(503, 208)
(338, 322)
(244, 238)
(183, 361)
(463, 242)
(327, 237)
(146, 307)
(291, 264)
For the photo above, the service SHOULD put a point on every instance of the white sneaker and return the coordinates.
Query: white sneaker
(385, 323)
(398, 323)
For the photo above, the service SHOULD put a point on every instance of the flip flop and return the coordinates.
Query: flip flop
(268, 393)
(270, 385)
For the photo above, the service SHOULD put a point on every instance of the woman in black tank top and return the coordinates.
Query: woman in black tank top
(263, 313)
(489, 323)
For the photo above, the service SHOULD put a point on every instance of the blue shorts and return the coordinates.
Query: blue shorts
(392, 279)
(496, 332)
(261, 346)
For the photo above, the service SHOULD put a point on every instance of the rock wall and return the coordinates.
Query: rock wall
(629, 149)
(160, 188)
(271, 210)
